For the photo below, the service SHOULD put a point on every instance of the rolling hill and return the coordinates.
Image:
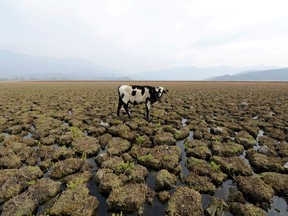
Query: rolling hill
(16, 66)
(265, 75)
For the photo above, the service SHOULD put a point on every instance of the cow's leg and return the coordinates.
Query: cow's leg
(120, 104)
(127, 110)
(147, 106)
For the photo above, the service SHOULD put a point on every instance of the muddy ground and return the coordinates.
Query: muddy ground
(211, 148)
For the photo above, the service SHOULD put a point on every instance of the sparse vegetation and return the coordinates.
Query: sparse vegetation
(214, 166)
(148, 157)
(45, 146)
(140, 139)
(76, 132)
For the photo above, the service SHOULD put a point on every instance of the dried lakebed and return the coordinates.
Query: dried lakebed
(210, 148)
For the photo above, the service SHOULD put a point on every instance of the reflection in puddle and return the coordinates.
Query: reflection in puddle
(102, 207)
(182, 163)
(150, 179)
(28, 136)
(278, 207)
(32, 128)
(223, 191)
(157, 208)
(184, 120)
(65, 123)
(206, 199)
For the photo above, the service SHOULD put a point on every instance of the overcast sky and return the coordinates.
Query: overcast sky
(141, 35)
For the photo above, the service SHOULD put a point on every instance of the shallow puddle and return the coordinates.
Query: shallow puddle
(157, 208)
(278, 207)
(223, 191)
(102, 207)
(28, 136)
(183, 160)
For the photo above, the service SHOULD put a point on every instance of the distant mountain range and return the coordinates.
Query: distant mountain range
(266, 75)
(16, 66)
(194, 73)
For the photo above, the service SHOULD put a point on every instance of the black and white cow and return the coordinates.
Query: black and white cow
(138, 94)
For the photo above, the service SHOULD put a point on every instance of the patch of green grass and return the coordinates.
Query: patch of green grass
(186, 144)
(140, 139)
(72, 185)
(178, 135)
(122, 167)
(32, 182)
(214, 166)
(84, 156)
(76, 132)
(158, 124)
(166, 158)
(37, 142)
(148, 157)
(118, 122)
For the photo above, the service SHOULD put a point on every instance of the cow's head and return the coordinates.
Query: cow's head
(159, 92)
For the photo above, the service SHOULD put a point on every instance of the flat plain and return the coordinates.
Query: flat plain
(210, 148)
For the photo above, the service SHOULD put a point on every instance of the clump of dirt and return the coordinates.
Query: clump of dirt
(75, 201)
(255, 189)
(185, 201)
(78, 178)
(265, 150)
(10, 161)
(43, 125)
(277, 133)
(108, 180)
(104, 140)
(245, 139)
(66, 139)
(117, 146)
(204, 168)
(13, 181)
(67, 167)
(216, 207)
(143, 141)
(279, 182)
(233, 165)
(235, 196)
(200, 183)
(136, 173)
(115, 163)
(27, 202)
(122, 131)
(96, 131)
(163, 196)
(250, 210)
(158, 157)
(86, 145)
(129, 198)
(54, 153)
(2, 136)
(227, 149)
(16, 129)
(164, 138)
(182, 133)
(198, 149)
(263, 163)
(165, 180)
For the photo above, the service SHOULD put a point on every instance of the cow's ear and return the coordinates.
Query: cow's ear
(165, 91)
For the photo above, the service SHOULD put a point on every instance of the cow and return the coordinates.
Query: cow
(136, 94)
